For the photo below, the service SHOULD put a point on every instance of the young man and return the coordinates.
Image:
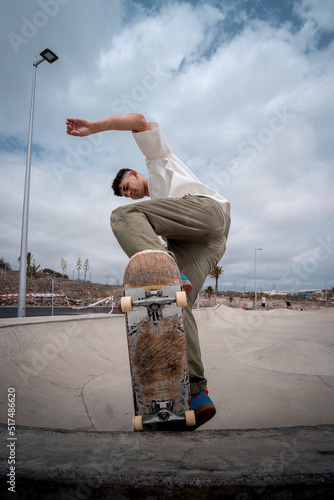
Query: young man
(192, 218)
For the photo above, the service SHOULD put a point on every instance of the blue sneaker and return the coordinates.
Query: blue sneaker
(186, 285)
(203, 407)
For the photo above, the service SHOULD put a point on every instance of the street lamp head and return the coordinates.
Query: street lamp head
(49, 56)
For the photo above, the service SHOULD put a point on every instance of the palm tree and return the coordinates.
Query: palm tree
(215, 273)
(32, 267)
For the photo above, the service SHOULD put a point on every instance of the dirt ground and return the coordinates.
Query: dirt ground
(83, 293)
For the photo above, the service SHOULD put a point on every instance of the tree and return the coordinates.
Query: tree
(215, 273)
(29, 260)
(85, 268)
(79, 267)
(63, 265)
(208, 295)
(32, 267)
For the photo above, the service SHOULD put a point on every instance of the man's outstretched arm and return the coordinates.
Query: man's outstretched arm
(135, 122)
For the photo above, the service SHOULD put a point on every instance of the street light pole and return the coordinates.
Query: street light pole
(49, 56)
(255, 299)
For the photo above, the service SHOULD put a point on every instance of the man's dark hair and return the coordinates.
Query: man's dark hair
(118, 179)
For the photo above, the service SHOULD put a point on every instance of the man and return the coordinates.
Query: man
(192, 218)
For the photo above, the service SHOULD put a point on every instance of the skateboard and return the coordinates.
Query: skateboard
(153, 303)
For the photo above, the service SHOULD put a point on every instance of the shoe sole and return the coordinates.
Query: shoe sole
(203, 414)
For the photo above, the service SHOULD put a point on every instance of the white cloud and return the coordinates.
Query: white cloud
(320, 12)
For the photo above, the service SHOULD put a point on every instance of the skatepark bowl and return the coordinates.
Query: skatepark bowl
(66, 410)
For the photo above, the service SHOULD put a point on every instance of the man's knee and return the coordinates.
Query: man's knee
(119, 216)
(116, 216)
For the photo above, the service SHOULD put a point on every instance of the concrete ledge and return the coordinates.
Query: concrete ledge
(293, 462)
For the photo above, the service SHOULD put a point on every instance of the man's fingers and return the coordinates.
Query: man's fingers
(70, 126)
(76, 127)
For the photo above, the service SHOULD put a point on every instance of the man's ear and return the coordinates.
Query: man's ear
(134, 173)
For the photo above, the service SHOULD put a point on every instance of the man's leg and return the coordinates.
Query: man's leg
(195, 230)
(196, 261)
(133, 229)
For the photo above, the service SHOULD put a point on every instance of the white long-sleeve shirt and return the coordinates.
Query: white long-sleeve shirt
(168, 176)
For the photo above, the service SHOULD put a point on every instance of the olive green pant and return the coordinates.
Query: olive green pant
(195, 229)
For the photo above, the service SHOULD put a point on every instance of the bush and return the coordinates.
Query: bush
(4, 264)
(52, 272)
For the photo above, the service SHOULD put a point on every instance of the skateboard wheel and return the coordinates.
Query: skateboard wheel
(181, 299)
(137, 422)
(190, 418)
(119, 307)
(126, 304)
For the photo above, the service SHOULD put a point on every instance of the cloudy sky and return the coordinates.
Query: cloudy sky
(243, 91)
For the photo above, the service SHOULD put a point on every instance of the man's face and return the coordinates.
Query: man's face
(132, 186)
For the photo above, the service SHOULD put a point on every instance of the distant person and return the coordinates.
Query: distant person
(264, 303)
(288, 304)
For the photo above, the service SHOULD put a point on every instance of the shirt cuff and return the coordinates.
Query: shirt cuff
(152, 143)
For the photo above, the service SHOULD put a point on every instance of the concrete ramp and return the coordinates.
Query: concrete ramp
(291, 356)
(264, 369)
(68, 373)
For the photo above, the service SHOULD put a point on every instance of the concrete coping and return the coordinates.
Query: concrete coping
(238, 464)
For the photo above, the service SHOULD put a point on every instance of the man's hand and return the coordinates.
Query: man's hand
(79, 127)
(133, 121)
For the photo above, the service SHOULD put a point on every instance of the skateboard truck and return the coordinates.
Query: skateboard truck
(162, 409)
(154, 308)
(162, 412)
(153, 301)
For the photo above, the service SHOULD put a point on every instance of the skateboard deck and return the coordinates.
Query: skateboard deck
(153, 304)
